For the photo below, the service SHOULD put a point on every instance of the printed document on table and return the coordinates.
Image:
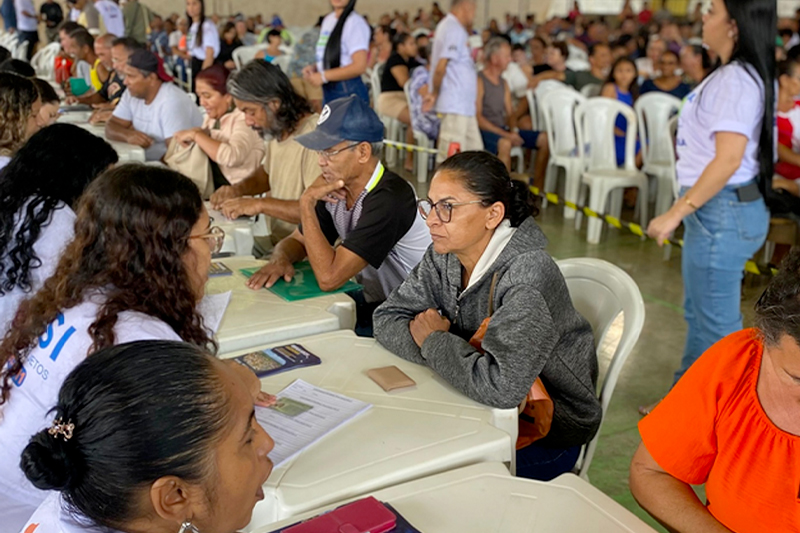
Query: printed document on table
(293, 434)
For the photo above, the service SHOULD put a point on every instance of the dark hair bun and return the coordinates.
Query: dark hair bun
(522, 203)
(47, 462)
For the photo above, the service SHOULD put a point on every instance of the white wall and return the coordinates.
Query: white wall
(305, 12)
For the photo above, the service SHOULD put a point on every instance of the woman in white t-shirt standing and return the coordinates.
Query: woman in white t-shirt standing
(202, 42)
(342, 51)
(725, 147)
(135, 270)
(36, 216)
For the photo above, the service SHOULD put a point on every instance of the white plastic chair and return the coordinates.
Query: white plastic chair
(421, 159)
(282, 62)
(558, 110)
(21, 51)
(591, 90)
(392, 125)
(601, 291)
(244, 54)
(594, 125)
(43, 61)
(653, 111)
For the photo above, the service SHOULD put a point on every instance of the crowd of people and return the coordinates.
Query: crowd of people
(459, 280)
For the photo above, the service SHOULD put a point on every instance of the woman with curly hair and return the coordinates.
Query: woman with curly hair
(135, 270)
(36, 207)
(19, 113)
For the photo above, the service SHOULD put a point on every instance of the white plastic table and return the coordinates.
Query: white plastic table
(485, 498)
(407, 434)
(240, 232)
(127, 152)
(260, 317)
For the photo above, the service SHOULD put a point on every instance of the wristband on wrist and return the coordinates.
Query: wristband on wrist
(322, 75)
(689, 203)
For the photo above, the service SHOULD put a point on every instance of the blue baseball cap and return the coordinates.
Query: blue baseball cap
(344, 119)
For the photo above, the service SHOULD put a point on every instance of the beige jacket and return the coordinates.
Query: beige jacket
(242, 148)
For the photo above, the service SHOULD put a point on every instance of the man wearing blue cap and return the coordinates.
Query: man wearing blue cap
(371, 209)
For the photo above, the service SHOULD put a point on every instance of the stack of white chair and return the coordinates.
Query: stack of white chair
(43, 61)
(654, 110)
(558, 111)
(594, 124)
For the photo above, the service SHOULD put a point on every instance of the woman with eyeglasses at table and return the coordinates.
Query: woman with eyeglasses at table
(149, 436)
(489, 252)
(135, 270)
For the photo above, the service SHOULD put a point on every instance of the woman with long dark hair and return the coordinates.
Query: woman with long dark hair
(203, 41)
(488, 309)
(342, 52)
(20, 104)
(135, 270)
(725, 162)
(148, 436)
(36, 207)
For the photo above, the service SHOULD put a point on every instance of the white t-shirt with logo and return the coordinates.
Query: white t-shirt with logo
(355, 37)
(170, 111)
(731, 99)
(63, 346)
(52, 516)
(210, 39)
(53, 238)
(112, 17)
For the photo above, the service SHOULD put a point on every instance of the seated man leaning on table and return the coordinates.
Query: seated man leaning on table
(152, 109)
(106, 99)
(271, 106)
(489, 259)
(371, 209)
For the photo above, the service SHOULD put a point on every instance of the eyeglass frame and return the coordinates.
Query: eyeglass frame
(215, 238)
(327, 154)
(435, 207)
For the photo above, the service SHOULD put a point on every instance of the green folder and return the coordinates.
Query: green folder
(303, 285)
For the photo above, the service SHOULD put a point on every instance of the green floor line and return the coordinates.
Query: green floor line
(658, 301)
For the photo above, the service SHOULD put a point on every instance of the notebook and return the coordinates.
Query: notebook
(304, 284)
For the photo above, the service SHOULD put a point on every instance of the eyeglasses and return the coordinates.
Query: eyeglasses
(214, 238)
(328, 154)
(444, 210)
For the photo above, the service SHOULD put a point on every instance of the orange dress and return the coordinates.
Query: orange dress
(712, 429)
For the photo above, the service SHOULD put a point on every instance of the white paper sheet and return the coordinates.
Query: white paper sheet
(292, 435)
(212, 307)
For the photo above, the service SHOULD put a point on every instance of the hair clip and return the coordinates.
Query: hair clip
(60, 428)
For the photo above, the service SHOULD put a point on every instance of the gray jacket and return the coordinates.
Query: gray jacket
(534, 331)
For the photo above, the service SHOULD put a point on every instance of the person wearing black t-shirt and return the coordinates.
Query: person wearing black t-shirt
(356, 199)
(52, 15)
(397, 71)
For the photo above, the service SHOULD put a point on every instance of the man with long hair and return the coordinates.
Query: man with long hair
(272, 107)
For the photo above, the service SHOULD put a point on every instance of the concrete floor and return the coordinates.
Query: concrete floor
(648, 373)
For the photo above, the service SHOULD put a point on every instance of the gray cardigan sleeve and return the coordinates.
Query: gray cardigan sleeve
(518, 342)
(412, 297)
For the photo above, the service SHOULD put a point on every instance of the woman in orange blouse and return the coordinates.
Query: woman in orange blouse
(224, 136)
(732, 423)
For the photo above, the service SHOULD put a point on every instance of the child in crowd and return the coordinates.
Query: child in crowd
(621, 85)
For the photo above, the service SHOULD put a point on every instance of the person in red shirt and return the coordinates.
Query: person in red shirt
(645, 14)
(788, 165)
(732, 423)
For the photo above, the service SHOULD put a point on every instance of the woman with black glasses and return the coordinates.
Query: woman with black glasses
(488, 259)
(135, 270)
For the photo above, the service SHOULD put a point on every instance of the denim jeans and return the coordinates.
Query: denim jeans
(544, 464)
(719, 238)
(340, 89)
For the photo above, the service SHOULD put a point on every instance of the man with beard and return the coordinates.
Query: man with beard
(272, 107)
